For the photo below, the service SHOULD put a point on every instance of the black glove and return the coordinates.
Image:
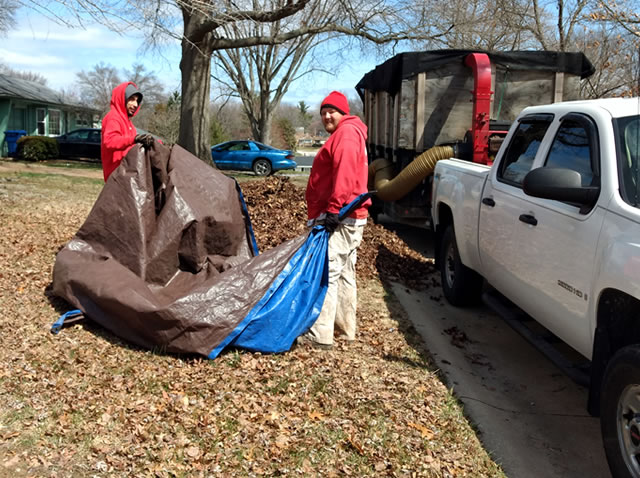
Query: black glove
(145, 140)
(331, 222)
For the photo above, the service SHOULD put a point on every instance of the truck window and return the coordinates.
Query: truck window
(571, 149)
(628, 152)
(522, 149)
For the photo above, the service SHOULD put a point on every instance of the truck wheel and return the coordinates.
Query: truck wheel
(461, 286)
(620, 412)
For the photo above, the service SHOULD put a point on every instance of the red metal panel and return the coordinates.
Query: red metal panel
(481, 66)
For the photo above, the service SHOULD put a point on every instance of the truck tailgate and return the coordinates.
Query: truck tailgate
(457, 186)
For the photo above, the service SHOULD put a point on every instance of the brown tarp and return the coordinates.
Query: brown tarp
(156, 260)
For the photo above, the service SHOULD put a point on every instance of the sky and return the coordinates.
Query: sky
(40, 45)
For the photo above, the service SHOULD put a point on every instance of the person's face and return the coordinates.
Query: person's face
(330, 119)
(132, 104)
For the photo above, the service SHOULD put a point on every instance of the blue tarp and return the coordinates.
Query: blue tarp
(292, 303)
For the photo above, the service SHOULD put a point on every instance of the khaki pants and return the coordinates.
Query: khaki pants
(339, 307)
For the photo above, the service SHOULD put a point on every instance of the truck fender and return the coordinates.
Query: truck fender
(617, 327)
(459, 204)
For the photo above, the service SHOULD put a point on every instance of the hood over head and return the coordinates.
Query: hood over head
(120, 95)
(354, 121)
(131, 90)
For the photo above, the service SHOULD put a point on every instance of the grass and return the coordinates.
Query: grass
(61, 163)
(59, 184)
(76, 164)
(85, 403)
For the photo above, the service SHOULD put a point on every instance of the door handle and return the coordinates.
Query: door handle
(488, 201)
(528, 219)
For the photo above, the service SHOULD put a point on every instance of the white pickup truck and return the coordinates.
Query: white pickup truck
(554, 226)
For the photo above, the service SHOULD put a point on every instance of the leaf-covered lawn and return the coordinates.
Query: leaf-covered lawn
(84, 403)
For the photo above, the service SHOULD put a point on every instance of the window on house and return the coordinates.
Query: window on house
(81, 120)
(17, 118)
(55, 122)
(41, 116)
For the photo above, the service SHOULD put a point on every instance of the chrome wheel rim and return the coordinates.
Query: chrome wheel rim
(262, 168)
(628, 426)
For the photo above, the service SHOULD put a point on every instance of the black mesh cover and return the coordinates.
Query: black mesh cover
(389, 75)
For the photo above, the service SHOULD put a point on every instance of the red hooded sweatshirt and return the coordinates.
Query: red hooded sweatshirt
(118, 132)
(340, 171)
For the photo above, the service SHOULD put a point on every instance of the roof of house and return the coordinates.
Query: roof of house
(12, 87)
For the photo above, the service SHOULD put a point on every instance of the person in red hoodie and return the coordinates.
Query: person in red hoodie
(118, 132)
(339, 174)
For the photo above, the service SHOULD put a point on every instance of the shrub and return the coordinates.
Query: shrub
(37, 148)
(285, 134)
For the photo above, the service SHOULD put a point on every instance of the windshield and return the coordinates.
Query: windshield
(628, 140)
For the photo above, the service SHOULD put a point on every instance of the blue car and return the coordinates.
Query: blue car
(251, 156)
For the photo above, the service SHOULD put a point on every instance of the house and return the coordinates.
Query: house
(305, 142)
(39, 110)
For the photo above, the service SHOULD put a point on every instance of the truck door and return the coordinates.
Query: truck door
(502, 203)
(556, 241)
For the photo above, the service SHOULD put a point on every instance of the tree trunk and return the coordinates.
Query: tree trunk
(267, 131)
(262, 131)
(265, 115)
(195, 67)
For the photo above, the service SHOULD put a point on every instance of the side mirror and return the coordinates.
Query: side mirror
(559, 184)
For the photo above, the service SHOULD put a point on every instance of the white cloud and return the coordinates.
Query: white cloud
(17, 59)
(56, 36)
(57, 53)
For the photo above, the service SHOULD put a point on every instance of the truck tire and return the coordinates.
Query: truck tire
(375, 209)
(461, 286)
(620, 412)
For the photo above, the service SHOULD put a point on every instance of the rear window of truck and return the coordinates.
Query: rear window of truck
(628, 149)
(523, 148)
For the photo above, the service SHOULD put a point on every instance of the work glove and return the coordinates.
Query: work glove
(331, 222)
(145, 140)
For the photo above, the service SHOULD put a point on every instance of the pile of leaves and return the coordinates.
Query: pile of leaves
(85, 403)
(278, 212)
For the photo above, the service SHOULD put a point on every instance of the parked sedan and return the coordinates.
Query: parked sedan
(80, 143)
(85, 143)
(251, 156)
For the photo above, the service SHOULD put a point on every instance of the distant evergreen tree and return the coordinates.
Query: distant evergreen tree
(305, 116)
(217, 132)
(288, 133)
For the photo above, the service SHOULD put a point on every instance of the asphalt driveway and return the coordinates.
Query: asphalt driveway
(530, 416)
